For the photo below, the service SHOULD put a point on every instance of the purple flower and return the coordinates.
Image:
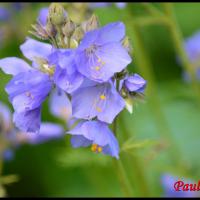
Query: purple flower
(120, 5)
(97, 100)
(4, 14)
(66, 75)
(97, 134)
(168, 181)
(100, 54)
(8, 155)
(43, 14)
(30, 85)
(192, 48)
(134, 83)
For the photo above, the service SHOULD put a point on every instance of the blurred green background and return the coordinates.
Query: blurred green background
(55, 169)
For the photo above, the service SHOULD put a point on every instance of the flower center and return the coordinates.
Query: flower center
(91, 49)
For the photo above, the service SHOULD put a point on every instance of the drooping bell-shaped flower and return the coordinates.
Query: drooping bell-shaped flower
(134, 83)
(97, 135)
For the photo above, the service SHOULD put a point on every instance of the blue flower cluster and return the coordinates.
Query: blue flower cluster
(87, 76)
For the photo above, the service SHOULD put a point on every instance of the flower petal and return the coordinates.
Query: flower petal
(60, 105)
(28, 90)
(113, 32)
(101, 101)
(28, 121)
(32, 49)
(14, 66)
(68, 82)
(48, 131)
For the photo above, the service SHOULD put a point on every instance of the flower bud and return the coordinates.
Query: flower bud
(50, 29)
(78, 33)
(68, 28)
(73, 43)
(57, 14)
(91, 24)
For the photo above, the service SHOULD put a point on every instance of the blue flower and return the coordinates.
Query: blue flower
(168, 182)
(97, 100)
(97, 135)
(30, 85)
(4, 14)
(192, 48)
(134, 83)
(120, 5)
(11, 138)
(100, 54)
(66, 75)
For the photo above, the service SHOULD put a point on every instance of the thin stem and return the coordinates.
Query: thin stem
(139, 173)
(178, 40)
(1, 167)
(125, 184)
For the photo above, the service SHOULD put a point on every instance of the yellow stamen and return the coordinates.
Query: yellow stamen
(98, 109)
(99, 149)
(97, 68)
(102, 97)
(94, 147)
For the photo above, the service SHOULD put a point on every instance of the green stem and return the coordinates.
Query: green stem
(125, 184)
(152, 10)
(1, 167)
(178, 40)
(139, 173)
(143, 61)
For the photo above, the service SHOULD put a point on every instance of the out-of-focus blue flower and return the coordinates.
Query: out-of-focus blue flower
(43, 14)
(120, 5)
(97, 100)
(100, 54)
(8, 155)
(11, 138)
(97, 134)
(60, 106)
(134, 83)
(4, 14)
(168, 181)
(192, 48)
(48, 131)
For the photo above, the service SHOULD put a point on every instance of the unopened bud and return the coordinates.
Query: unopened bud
(68, 28)
(91, 24)
(57, 14)
(50, 29)
(73, 44)
(78, 33)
